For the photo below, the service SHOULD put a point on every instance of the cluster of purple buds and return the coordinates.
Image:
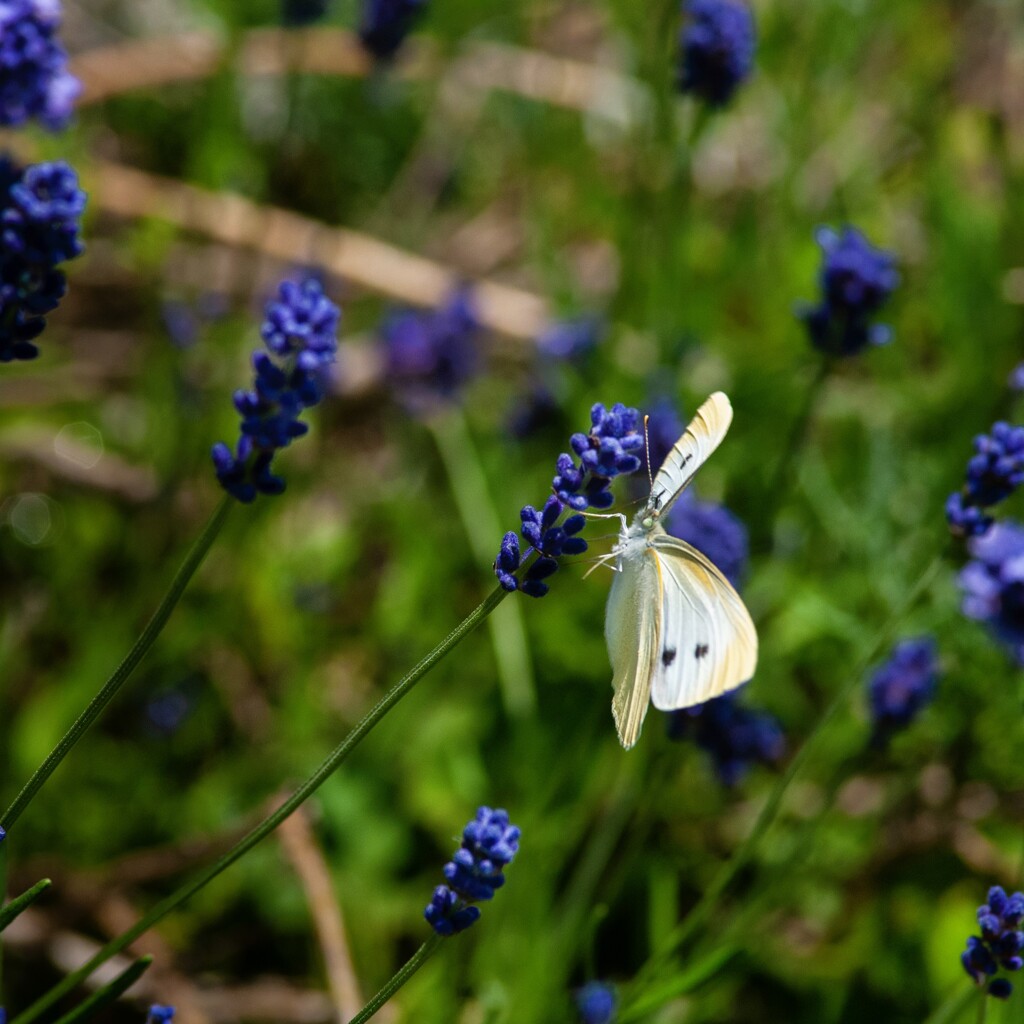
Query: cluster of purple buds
(901, 687)
(475, 872)
(856, 281)
(160, 1014)
(595, 1003)
(34, 79)
(300, 330)
(430, 355)
(994, 472)
(1000, 944)
(604, 453)
(386, 23)
(993, 584)
(716, 49)
(714, 530)
(735, 737)
(40, 210)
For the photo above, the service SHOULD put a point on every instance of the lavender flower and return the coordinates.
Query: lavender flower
(736, 737)
(1000, 944)
(714, 530)
(1016, 378)
(34, 80)
(570, 340)
(717, 49)
(386, 23)
(604, 453)
(900, 688)
(993, 584)
(664, 428)
(300, 329)
(40, 208)
(994, 472)
(296, 13)
(595, 1003)
(431, 355)
(160, 1014)
(856, 281)
(475, 872)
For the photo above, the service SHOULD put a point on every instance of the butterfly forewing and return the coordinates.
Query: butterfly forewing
(631, 628)
(688, 454)
(707, 641)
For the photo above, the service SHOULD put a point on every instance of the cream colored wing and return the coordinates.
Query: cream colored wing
(699, 440)
(708, 643)
(631, 629)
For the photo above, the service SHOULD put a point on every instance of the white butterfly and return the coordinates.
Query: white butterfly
(677, 632)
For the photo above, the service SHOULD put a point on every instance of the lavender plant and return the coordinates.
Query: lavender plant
(40, 212)
(386, 23)
(34, 80)
(716, 49)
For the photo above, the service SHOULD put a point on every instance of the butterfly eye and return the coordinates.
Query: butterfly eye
(648, 522)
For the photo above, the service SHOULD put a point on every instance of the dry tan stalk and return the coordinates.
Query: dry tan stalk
(292, 238)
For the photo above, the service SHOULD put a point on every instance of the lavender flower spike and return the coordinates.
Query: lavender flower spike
(300, 330)
(604, 453)
(1001, 942)
(475, 872)
(34, 79)
(856, 281)
(40, 210)
(717, 49)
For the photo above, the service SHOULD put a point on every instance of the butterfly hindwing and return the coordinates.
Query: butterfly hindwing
(707, 641)
(703, 435)
(632, 626)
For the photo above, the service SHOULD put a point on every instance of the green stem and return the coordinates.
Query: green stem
(700, 914)
(781, 478)
(271, 822)
(109, 689)
(415, 962)
(109, 993)
(25, 900)
(982, 1007)
(954, 1006)
(480, 521)
(3, 896)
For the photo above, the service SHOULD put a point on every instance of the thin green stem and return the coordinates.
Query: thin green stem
(412, 965)
(109, 689)
(952, 1007)
(480, 521)
(22, 902)
(3, 896)
(326, 768)
(109, 993)
(699, 915)
(982, 1007)
(781, 478)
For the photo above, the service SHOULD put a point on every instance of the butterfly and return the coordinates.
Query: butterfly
(677, 632)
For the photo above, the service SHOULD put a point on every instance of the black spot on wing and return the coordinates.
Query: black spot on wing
(668, 656)
(700, 651)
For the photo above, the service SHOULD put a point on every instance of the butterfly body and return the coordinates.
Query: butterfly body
(677, 632)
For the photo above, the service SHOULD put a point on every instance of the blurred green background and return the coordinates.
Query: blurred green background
(903, 118)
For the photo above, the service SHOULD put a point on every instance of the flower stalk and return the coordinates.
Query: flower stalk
(323, 772)
(120, 675)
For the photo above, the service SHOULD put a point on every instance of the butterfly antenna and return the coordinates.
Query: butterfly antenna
(647, 451)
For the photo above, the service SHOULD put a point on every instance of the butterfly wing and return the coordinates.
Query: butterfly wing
(708, 643)
(632, 624)
(703, 435)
